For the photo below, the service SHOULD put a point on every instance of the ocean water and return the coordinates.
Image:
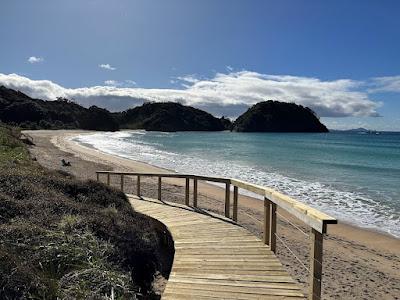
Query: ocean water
(354, 177)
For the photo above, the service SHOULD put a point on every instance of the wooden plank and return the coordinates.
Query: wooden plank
(257, 189)
(267, 222)
(229, 268)
(235, 203)
(235, 289)
(273, 228)
(218, 255)
(216, 259)
(316, 219)
(238, 283)
(138, 186)
(195, 192)
(303, 212)
(219, 241)
(222, 246)
(232, 264)
(159, 187)
(237, 272)
(122, 182)
(173, 293)
(273, 276)
(187, 187)
(225, 259)
(227, 199)
(212, 179)
(315, 265)
(108, 179)
(178, 296)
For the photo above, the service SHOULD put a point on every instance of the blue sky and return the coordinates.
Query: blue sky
(341, 58)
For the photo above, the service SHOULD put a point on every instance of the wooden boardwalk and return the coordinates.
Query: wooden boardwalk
(217, 259)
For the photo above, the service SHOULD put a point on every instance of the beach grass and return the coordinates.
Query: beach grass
(65, 238)
(11, 149)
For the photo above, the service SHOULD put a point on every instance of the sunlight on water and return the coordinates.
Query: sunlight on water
(353, 177)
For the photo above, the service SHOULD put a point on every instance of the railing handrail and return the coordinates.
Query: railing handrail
(316, 219)
(307, 214)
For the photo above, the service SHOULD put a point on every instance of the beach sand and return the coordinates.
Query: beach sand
(358, 263)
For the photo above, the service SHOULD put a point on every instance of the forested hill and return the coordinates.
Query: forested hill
(18, 109)
(169, 116)
(275, 116)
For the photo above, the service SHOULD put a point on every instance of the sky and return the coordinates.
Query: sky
(340, 58)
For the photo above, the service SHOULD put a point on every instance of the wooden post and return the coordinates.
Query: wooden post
(227, 199)
(138, 186)
(235, 202)
(187, 192)
(97, 176)
(267, 221)
(108, 178)
(315, 265)
(159, 188)
(273, 227)
(195, 192)
(122, 182)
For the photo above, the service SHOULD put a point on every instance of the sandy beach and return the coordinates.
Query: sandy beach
(358, 263)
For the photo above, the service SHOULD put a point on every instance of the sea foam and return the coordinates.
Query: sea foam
(351, 206)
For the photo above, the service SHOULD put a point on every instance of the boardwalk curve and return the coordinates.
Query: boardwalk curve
(217, 259)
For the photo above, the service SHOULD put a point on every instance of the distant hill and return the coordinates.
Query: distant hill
(170, 117)
(18, 109)
(275, 116)
(357, 130)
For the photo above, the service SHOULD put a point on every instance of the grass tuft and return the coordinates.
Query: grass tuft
(68, 239)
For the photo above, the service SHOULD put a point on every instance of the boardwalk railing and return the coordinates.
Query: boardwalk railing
(273, 199)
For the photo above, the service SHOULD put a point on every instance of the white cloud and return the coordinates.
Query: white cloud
(129, 82)
(112, 82)
(385, 84)
(107, 67)
(225, 94)
(43, 89)
(188, 79)
(125, 83)
(35, 60)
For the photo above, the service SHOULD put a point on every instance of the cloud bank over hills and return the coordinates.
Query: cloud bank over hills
(225, 94)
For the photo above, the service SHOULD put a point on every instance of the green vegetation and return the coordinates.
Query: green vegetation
(20, 110)
(61, 238)
(11, 149)
(275, 116)
(169, 117)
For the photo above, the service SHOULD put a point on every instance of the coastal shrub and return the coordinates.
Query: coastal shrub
(18, 109)
(68, 239)
(275, 116)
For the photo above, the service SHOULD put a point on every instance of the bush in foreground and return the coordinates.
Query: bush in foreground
(68, 239)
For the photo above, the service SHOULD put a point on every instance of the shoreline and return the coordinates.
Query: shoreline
(80, 147)
(345, 223)
(369, 259)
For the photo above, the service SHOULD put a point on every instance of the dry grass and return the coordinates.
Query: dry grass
(64, 238)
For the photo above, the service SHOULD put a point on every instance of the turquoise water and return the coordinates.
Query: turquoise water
(355, 177)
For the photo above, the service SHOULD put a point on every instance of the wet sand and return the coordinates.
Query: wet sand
(358, 263)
